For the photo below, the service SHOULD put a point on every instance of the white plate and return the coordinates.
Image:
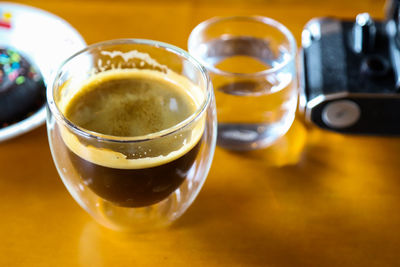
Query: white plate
(46, 39)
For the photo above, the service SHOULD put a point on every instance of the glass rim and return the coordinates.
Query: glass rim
(54, 109)
(264, 20)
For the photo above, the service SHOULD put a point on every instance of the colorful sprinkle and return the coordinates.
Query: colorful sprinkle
(7, 69)
(13, 75)
(4, 59)
(15, 65)
(20, 80)
(15, 57)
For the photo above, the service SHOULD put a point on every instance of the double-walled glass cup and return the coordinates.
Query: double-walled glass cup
(133, 182)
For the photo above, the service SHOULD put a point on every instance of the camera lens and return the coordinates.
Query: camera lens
(375, 66)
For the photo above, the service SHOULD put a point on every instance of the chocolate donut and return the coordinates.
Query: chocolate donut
(22, 90)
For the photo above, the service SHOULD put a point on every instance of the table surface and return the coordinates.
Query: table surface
(315, 198)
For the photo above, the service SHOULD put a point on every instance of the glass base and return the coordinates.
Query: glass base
(248, 136)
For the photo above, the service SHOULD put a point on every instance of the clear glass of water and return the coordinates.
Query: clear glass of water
(252, 64)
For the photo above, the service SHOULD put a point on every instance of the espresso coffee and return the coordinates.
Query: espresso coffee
(123, 105)
(132, 103)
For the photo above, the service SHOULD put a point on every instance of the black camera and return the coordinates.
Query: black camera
(351, 73)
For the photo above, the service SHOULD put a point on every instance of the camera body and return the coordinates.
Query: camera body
(351, 74)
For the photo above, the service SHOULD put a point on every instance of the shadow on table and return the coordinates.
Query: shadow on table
(336, 204)
(38, 213)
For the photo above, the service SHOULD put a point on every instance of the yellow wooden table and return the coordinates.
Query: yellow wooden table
(314, 199)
